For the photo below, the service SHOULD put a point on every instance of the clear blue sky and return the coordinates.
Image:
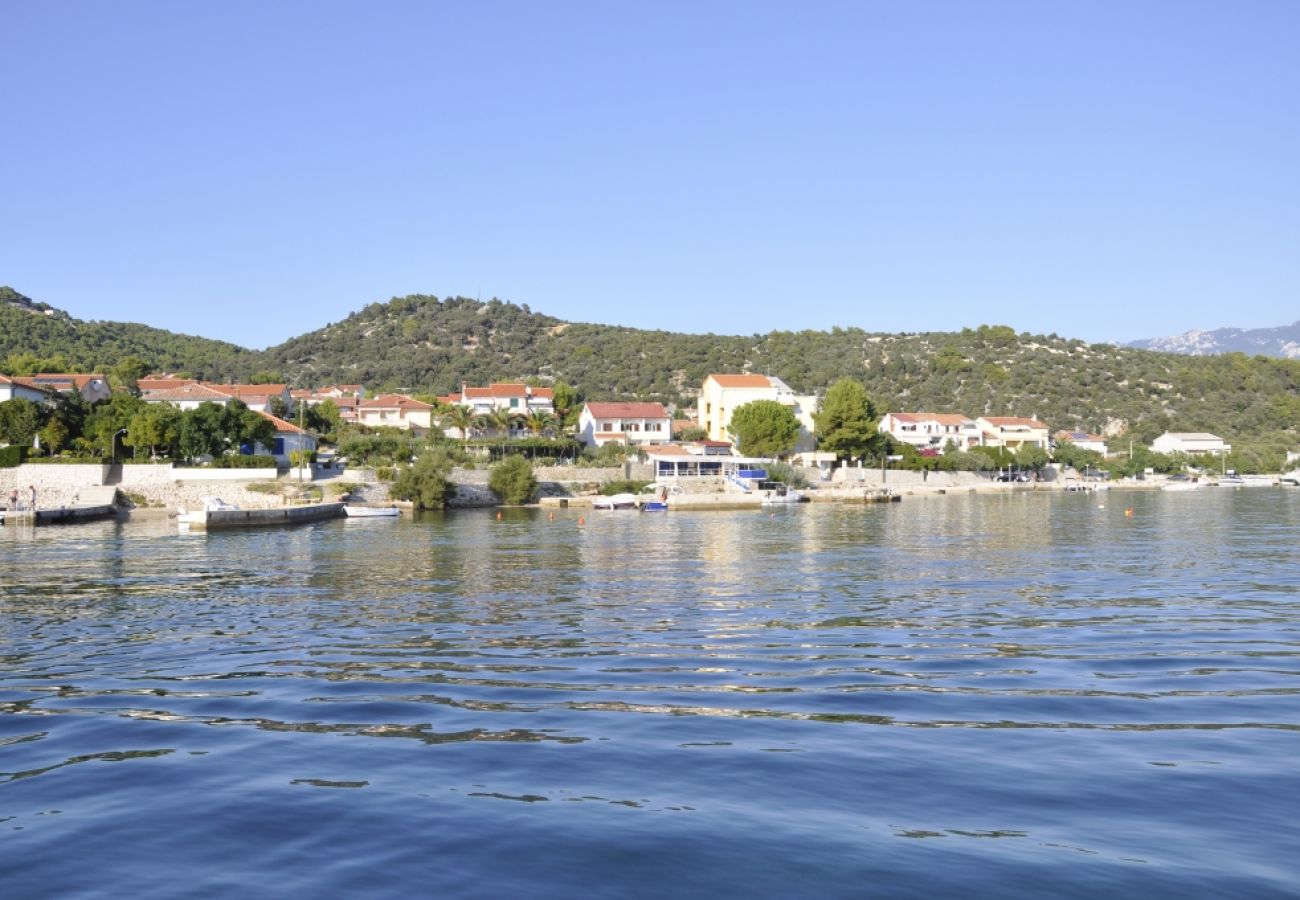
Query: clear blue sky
(1107, 170)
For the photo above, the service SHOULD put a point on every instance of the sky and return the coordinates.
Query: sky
(1107, 170)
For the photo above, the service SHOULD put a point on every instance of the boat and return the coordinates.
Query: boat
(200, 516)
(1231, 481)
(655, 497)
(782, 494)
(1290, 479)
(615, 501)
(371, 512)
(1182, 483)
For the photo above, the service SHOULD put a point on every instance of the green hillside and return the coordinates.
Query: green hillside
(423, 344)
(35, 335)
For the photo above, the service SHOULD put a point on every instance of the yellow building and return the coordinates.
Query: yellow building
(723, 394)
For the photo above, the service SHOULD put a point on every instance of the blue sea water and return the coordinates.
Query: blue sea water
(1015, 696)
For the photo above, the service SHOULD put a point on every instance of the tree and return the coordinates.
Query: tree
(19, 421)
(107, 418)
(848, 422)
(566, 402)
(125, 375)
(155, 426)
(462, 418)
(764, 428)
(1031, 456)
(502, 420)
(538, 422)
(426, 482)
(512, 480)
(693, 433)
(53, 436)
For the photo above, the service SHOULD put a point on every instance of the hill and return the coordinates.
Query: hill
(36, 334)
(1283, 342)
(423, 344)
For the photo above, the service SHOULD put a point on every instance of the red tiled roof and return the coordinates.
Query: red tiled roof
(742, 381)
(941, 418)
(627, 410)
(199, 392)
(162, 384)
(394, 401)
(281, 424)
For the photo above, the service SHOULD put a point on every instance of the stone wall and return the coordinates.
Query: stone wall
(56, 485)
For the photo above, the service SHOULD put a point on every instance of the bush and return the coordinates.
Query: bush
(264, 487)
(512, 480)
(426, 483)
(12, 456)
(301, 458)
(385, 473)
(786, 474)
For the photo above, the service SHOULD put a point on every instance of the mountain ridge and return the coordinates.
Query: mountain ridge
(426, 345)
(1282, 341)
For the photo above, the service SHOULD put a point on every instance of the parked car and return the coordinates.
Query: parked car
(1019, 477)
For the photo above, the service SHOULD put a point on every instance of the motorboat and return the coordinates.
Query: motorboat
(1182, 483)
(616, 501)
(200, 516)
(782, 494)
(1290, 479)
(371, 512)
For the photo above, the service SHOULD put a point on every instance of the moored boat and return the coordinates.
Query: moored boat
(371, 512)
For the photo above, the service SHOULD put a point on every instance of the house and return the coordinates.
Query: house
(1012, 432)
(722, 394)
(1192, 443)
(1082, 440)
(288, 438)
(626, 423)
(344, 402)
(396, 411)
(18, 388)
(188, 395)
(259, 397)
(931, 431)
(92, 388)
(162, 383)
(514, 396)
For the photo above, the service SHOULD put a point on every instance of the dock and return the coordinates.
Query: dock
(95, 503)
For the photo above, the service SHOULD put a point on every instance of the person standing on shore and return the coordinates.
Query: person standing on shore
(13, 499)
(32, 490)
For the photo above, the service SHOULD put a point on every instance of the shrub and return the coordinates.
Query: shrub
(786, 474)
(386, 473)
(512, 480)
(263, 487)
(425, 482)
(12, 456)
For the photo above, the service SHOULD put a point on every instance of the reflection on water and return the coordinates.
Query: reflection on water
(1096, 689)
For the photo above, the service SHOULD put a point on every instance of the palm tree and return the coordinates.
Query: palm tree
(502, 420)
(540, 422)
(462, 418)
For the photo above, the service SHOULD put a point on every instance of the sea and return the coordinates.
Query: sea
(1027, 694)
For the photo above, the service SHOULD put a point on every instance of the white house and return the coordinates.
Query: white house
(1083, 440)
(1012, 432)
(288, 438)
(21, 389)
(627, 423)
(396, 411)
(514, 396)
(1190, 442)
(722, 394)
(92, 388)
(931, 431)
(187, 396)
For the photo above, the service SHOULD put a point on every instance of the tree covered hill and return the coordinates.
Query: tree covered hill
(423, 344)
(36, 334)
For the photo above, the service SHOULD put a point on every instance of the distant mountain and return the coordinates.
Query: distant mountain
(1283, 342)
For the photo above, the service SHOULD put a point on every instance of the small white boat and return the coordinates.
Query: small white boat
(615, 501)
(371, 512)
(200, 516)
(1182, 484)
(1291, 479)
(781, 494)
